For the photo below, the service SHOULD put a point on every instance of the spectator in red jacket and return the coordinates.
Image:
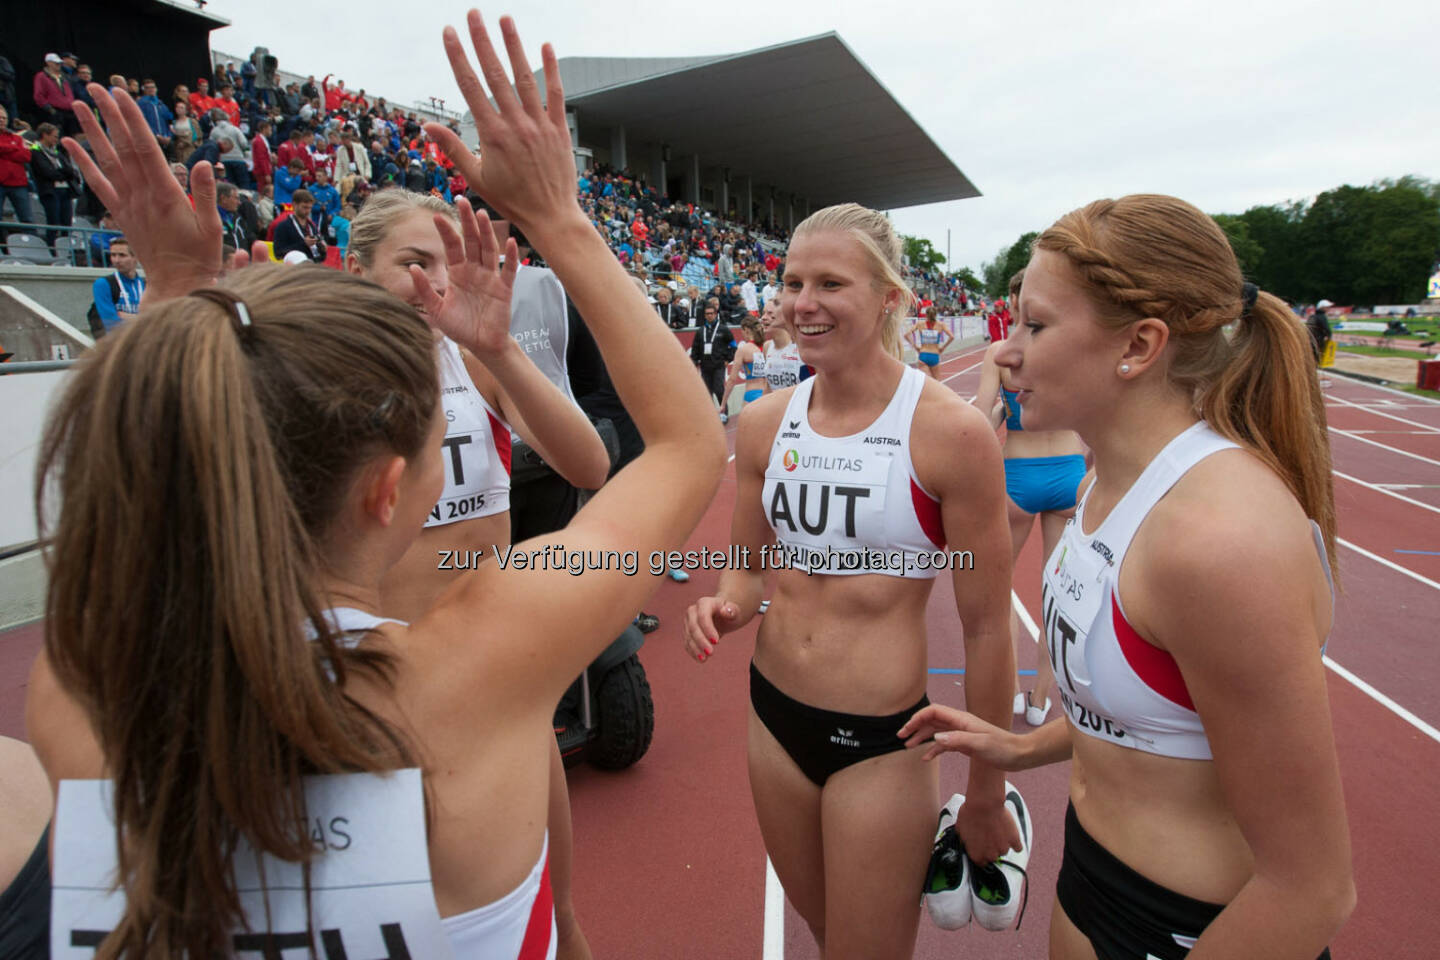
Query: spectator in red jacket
(201, 103)
(14, 156)
(53, 97)
(334, 96)
(226, 102)
(264, 167)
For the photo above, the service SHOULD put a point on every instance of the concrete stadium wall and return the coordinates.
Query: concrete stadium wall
(64, 291)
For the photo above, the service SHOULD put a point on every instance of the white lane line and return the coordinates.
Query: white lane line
(1384, 446)
(1389, 493)
(1026, 620)
(1393, 566)
(1383, 700)
(1375, 386)
(1389, 416)
(773, 940)
(958, 373)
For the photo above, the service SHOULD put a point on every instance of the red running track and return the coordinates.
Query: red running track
(669, 862)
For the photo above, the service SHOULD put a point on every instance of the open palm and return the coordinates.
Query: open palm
(474, 309)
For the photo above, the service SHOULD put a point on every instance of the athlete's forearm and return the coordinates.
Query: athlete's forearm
(557, 428)
(989, 692)
(1049, 744)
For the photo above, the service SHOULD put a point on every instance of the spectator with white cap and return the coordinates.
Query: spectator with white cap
(53, 97)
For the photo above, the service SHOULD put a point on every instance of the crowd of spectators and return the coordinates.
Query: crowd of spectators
(311, 152)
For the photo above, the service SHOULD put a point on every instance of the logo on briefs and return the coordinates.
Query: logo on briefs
(792, 459)
(845, 738)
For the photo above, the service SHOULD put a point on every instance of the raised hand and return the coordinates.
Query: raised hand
(526, 167)
(179, 245)
(474, 310)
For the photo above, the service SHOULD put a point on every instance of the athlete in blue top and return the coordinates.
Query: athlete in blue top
(1042, 470)
(929, 339)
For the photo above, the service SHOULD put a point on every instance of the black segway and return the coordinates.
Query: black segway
(608, 716)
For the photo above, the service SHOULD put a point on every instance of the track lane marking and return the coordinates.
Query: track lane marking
(1384, 446)
(772, 942)
(1383, 700)
(1389, 563)
(1389, 493)
(1428, 428)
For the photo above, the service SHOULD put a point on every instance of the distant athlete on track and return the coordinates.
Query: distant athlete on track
(748, 367)
(1186, 605)
(929, 339)
(831, 468)
(1043, 469)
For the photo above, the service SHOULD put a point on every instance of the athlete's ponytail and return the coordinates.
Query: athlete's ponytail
(198, 459)
(1245, 364)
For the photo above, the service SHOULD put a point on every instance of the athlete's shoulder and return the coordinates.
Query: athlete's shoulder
(942, 409)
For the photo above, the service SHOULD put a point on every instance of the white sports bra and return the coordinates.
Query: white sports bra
(521, 924)
(851, 505)
(477, 447)
(1114, 684)
(782, 366)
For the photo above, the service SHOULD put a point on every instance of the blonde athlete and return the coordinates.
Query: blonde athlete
(831, 469)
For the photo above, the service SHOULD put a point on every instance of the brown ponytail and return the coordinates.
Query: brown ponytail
(197, 464)
(1251, 377)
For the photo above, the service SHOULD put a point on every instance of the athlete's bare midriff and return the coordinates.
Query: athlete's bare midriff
(1023, 444)
(436, 559)
(853, 644)
(1164, 817)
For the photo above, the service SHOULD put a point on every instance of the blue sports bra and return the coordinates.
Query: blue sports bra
(1012, 411)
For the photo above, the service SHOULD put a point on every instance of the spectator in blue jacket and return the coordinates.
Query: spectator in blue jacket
(327, 198)
(288, 180)
(117, 295)
(157, 116)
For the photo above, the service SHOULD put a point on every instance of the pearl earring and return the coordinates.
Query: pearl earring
(1124, 368)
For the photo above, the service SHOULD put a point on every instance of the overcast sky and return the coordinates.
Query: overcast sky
(1044, 105)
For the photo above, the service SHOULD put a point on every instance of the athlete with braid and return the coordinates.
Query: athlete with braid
(1186, 605)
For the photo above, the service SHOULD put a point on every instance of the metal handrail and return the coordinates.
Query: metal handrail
(36, 366)
(36, 228)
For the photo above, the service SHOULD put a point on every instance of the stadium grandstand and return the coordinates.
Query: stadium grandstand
(686, 200)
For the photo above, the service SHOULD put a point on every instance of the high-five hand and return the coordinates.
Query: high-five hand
(474, 310)
(526, 166)
(179, 244)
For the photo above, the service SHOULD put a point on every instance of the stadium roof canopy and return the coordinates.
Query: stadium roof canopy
(805, 119)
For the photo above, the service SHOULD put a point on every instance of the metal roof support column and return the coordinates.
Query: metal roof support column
(618, 159)
(748, 214)
(725, 192)
(695, 179)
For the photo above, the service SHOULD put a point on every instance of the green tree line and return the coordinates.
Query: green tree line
(1352, 245)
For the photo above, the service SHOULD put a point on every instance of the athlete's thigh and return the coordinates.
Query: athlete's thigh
(787, 804)
(1020, 526)
(1066, 940)
(879, 824)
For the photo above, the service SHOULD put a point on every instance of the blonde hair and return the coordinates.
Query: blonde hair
(1148, 255)
(872, 230)
(378, 215)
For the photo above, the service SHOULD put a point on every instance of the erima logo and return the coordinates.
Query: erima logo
(884, 441)
(792, 459)
(794, 424)
(845, 738)
(790, 435)
(1104, 551)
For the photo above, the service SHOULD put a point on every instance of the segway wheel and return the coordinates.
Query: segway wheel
(625, 715)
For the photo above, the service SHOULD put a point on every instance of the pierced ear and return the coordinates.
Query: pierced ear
(1146, 342)
(382, 489)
